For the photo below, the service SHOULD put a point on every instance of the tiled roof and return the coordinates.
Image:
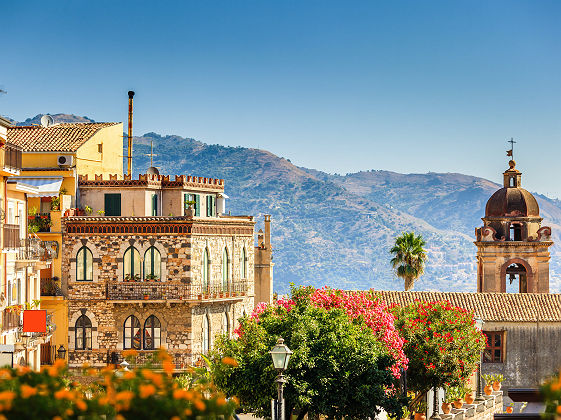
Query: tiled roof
(500, 307)
(65, 137)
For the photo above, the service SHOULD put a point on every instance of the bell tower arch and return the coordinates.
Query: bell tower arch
(512, 246)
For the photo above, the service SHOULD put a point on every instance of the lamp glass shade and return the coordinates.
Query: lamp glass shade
(61, 352)
(281, 355)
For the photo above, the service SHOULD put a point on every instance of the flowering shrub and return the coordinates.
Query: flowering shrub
(342, 363)
(441, 342)
(137, 394)
(551, 392)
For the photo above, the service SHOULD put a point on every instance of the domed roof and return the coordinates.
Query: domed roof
(152, 170)
(513, 202)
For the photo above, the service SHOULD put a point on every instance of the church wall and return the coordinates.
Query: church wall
(532, 352)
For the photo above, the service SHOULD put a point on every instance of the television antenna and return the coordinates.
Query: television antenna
(151, 154)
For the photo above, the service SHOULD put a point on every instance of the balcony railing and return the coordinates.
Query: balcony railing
(31, 249)
(51, 286)
(10, 319)
(10, 157)
(172, 291)
(10, 236)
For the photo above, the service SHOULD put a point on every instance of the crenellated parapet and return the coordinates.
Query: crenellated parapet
(152, 180)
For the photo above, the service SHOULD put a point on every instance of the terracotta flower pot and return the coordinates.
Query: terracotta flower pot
(458, 403)
(446, 407)
(146, 297)
(496, 386)
(488, 390)
(469, 398)
(420, 416)
(509, 410)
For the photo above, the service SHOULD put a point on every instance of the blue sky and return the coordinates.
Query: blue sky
(407, 86)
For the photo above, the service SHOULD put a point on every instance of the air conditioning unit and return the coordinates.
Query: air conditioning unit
(65, 160)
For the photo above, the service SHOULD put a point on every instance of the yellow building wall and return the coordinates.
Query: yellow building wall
(89, 161)
(57, 306)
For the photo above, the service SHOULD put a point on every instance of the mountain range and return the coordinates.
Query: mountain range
(337, 230)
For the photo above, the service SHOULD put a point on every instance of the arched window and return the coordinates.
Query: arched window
(131, 334)
(206, 270)
(84, 264)
(225, 324)
(131, 263)
(152, 333)
(206, 335)
(83, 333)
(225, 270)
(243, 263)
(152, 263)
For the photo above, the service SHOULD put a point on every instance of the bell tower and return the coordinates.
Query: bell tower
(512, 246)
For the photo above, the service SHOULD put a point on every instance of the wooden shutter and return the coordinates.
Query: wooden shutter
(208, 206)
(154, 205)
(197, 205)
(112, 204)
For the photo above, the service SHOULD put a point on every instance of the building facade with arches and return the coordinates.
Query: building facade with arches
(148, 281)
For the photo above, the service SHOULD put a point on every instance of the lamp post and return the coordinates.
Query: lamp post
(479, 396)
(280, 355)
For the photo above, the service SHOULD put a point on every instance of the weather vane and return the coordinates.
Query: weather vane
(151, 154)
(511, 151)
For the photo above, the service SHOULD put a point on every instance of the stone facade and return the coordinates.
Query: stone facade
(179, 300)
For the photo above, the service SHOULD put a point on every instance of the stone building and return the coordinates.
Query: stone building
(159, 265)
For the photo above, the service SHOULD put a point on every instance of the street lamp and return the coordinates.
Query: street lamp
(479, 396)
(61, 352)
(281, 355)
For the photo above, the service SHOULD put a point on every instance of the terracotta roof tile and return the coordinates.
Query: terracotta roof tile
(65, 137)
(500, 307)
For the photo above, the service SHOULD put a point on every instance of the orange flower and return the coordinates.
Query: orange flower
(175, 418)
(27, 391)
(130, 353)
(81, 405)
(22, 370)
(169, 367)
(3, 417)
(5, 374)
(119, 417)
(57, 418)
(92, 372)
(556, 386)
(124, 396)
(199, 405)
(7, 395)
(146, 390)
(60, 363)
(129, 375)
(188, 412)
(69, 412)
(558, 410)
(221, 401)
(179, 394)
(230, 361)
(52, 371)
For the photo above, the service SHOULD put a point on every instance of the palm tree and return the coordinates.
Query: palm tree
(409, 257)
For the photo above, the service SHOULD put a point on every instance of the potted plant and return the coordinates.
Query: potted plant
(101, 212)
(468, 395)
(497, 380)
(447, 403)
(489, 379)
(88, 210)
(55, 203)
(420, 409)
(146, 296)
(457, 396)
(509, 409)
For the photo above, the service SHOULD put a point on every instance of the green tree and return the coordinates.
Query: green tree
(441, 342)
(339, 367)
(409, 257)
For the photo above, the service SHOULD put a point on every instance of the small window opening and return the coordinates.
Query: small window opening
(100, 148)
(512, 182)
(515, 232)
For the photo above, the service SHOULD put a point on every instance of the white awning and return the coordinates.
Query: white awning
(48, 186)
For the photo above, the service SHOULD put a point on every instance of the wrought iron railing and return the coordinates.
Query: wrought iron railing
(10, 319)
(51, 286)
(48, 354)
(172, 291)
(31, 249)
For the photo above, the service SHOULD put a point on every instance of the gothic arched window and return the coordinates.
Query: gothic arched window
(152, 263)
(225, 270)
(131, 264)
(83, 333)
(131, 334)
(206, 270)
(84, 264)
(152, 333)
(206, 335)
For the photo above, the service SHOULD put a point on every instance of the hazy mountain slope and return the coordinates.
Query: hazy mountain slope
(58, 118)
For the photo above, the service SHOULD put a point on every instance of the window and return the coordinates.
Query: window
(100, 148)
(206, 335)
(22, 221)
(225, 324)
(152, 331)
(83, 333)
(154, 205)
(84, 264)
(19, 300)
(243, 263)
(112, 204)
(131, 263)
(512, 182)
(132, 334)
(225, 270)
(515, 232)
(210, 205)
(196, 206)
(152, 264)
(205, 270)
(494, 351)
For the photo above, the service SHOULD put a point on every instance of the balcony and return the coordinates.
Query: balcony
(40, 222)
(10, 159)
(173, 291)
(31, 249)
(11, 236)
(51, 286)
(10, 319)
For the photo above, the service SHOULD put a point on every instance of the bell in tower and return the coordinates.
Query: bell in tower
(512, 246)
